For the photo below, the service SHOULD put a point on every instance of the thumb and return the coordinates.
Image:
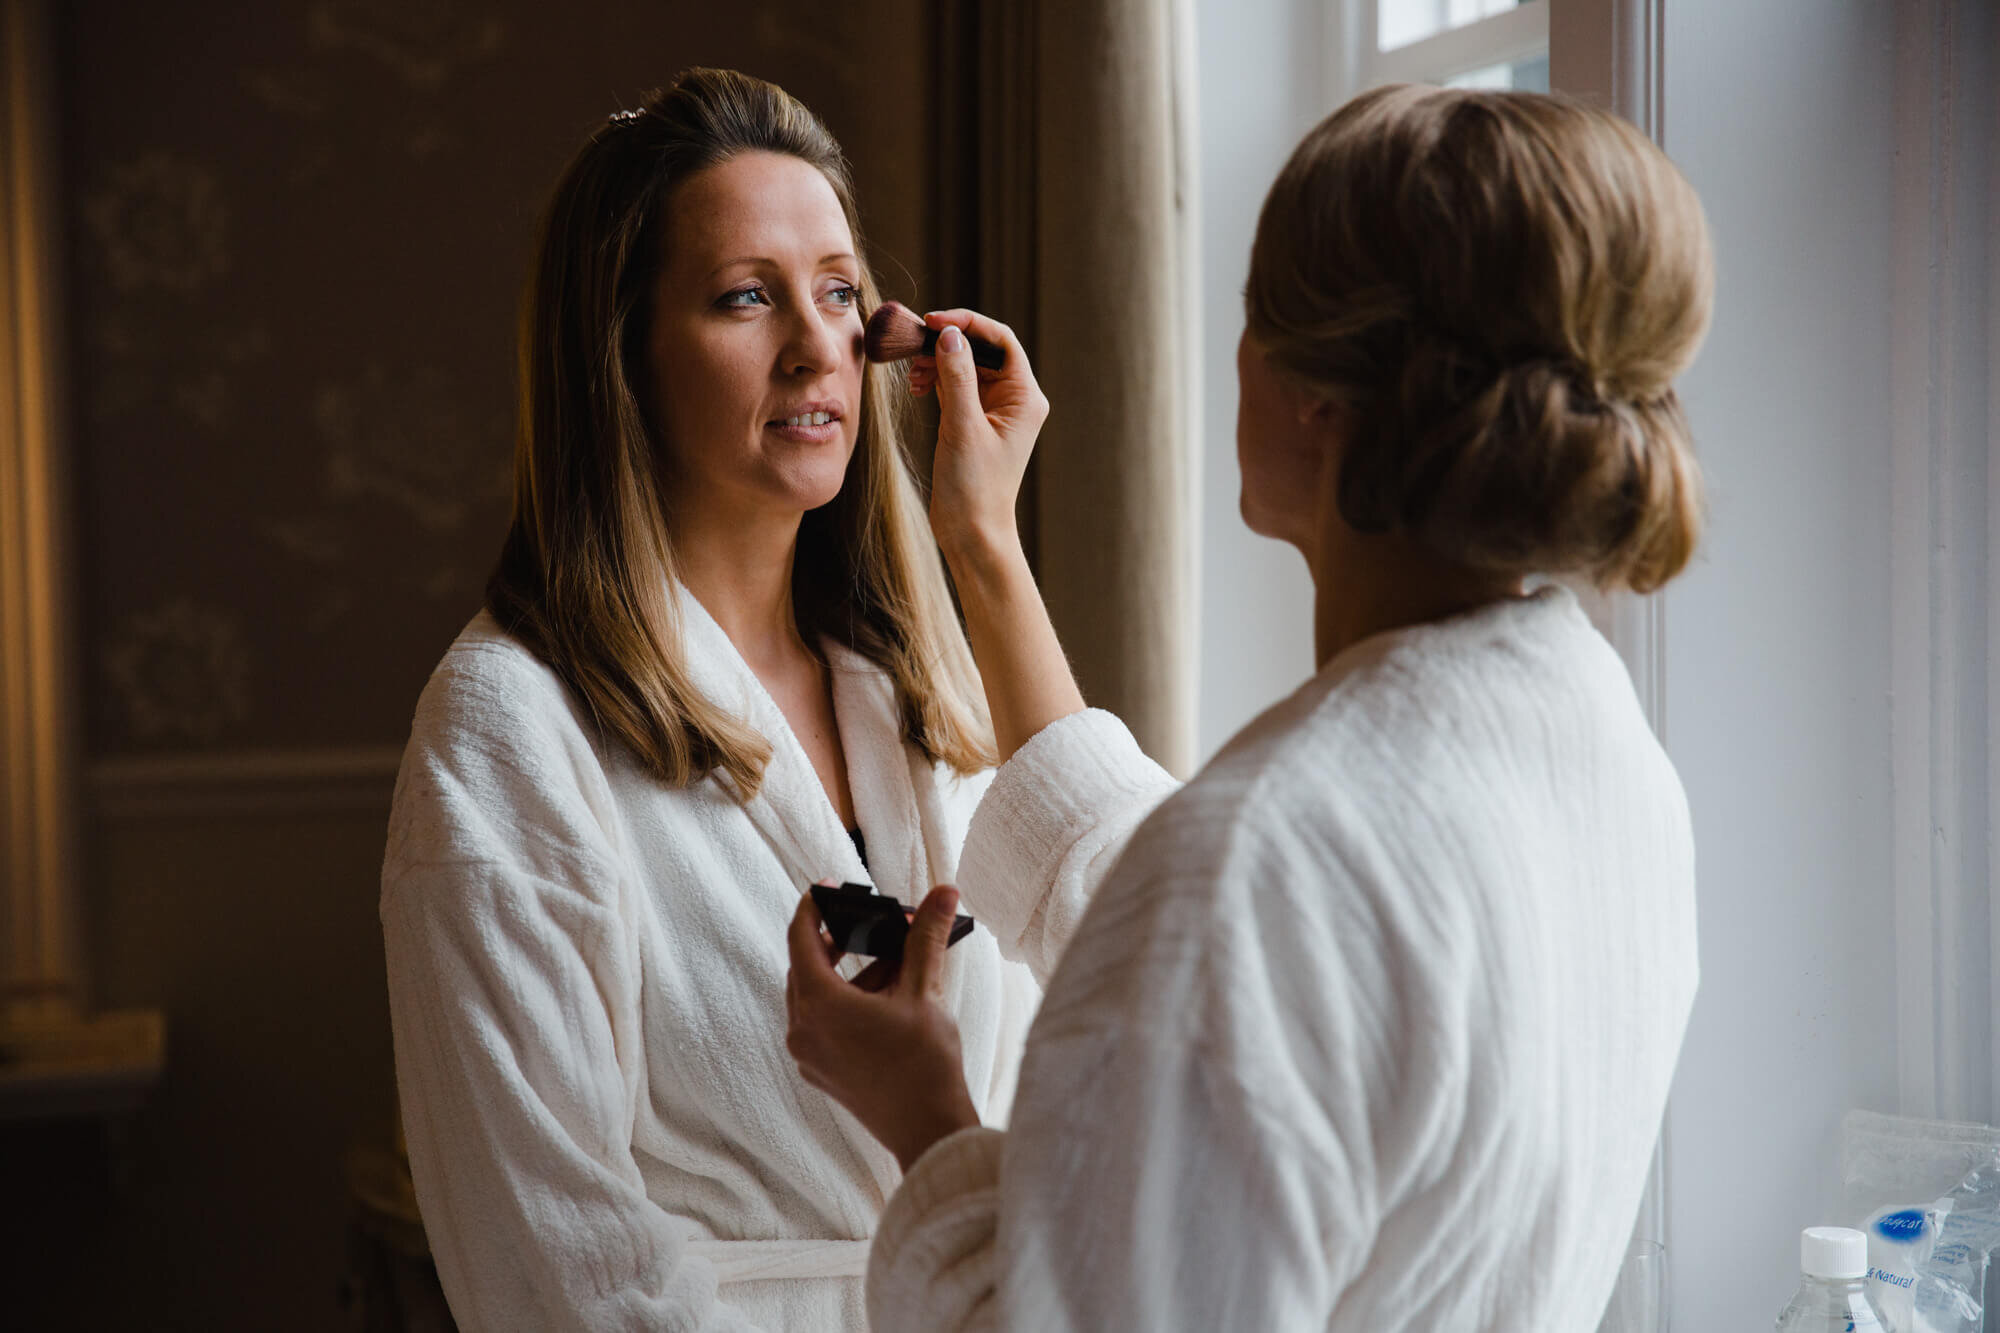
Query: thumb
(959, 410)
(930, 936)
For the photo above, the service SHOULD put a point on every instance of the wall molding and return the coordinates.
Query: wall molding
(242, 782)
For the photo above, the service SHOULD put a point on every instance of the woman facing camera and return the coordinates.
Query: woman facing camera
(1372, 1027)
(719, 661)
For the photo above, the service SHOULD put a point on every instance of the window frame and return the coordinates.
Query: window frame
(1353, 64)
(1944, 567)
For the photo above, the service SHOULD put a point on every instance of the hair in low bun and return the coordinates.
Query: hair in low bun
(1499, 289)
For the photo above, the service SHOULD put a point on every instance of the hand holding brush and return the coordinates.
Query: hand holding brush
(988, 419)
(895, 333)
(987, 423)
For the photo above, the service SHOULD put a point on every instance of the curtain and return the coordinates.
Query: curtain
(1066, 170)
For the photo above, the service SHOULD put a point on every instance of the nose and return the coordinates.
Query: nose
(815, 346)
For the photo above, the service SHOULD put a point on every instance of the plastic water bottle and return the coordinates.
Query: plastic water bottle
(1833, 1292)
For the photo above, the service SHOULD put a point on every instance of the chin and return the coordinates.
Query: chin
(815, 485)
(1253, 517)
(1276, 526)
(819, 500)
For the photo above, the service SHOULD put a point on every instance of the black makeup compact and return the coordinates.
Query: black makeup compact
(863, 921)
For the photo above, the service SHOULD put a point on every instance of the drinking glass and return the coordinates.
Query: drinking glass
(1639, 1301)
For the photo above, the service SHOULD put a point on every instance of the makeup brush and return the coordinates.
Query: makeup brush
(895, 334)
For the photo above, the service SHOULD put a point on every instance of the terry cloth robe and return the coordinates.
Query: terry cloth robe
(587, 981)
(1370, 1030)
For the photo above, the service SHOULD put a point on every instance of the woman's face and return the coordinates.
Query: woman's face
(1283, 447)
(756, 341)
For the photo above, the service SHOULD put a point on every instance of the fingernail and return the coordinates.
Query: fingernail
(951, 339)
(947, 901)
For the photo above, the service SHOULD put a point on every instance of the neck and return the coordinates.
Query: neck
(1364, 585)
(740, 569)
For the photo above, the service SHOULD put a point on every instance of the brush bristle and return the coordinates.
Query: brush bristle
(894, 334)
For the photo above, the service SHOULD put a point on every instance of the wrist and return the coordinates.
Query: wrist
(944, 1122)
(983, 556)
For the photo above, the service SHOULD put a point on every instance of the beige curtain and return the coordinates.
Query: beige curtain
(1087, 244)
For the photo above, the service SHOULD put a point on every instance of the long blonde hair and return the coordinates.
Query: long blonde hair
(1500, 288)
(587, 572)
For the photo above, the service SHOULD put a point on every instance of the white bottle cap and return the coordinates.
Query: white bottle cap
(1838, 1253)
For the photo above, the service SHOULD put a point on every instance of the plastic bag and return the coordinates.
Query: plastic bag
(1927, 1193)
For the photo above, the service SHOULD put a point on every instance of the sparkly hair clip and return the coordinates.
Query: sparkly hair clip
(620, 117)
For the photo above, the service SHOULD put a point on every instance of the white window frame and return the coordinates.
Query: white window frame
(1944, 567)
(1353, 64)
(1945, 543)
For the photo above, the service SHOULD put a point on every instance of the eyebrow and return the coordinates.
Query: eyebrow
(844, 256)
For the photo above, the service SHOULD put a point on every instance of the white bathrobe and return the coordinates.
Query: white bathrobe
(587, 980)
(1370, 1030)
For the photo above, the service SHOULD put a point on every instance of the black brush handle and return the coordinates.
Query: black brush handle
(990, 355)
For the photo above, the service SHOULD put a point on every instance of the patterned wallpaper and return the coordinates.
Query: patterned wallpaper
(298, 234)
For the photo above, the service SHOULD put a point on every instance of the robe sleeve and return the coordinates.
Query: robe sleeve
(1174, 1160)
(1170, 1201)
(1051, 826)
(934, 1263)
(513, 1000)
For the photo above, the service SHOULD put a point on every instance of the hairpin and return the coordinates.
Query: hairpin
(620, 117)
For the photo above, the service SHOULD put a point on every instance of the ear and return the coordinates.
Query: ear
(1325, 419)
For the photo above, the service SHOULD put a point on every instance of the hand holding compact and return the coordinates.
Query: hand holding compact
(887, 1050)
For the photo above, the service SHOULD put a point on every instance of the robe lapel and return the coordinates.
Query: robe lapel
(940, 851)
(791, 809)
(879, 774)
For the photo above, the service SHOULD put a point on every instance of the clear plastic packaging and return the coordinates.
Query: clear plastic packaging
(1927, 1195)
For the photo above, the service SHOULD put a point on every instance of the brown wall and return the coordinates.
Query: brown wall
(297, 236)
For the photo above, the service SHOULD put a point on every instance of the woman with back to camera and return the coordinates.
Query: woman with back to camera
(1371, 1028)
(719, 662)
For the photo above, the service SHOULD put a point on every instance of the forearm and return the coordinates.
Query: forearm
(1027, 678)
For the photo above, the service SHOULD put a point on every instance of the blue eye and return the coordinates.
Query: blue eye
(743, 298)
(848, 295)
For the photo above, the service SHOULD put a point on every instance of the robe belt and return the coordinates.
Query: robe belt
(756, 1260)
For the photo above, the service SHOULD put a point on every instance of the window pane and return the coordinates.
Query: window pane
(1400, 22)
(1528, 76)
